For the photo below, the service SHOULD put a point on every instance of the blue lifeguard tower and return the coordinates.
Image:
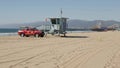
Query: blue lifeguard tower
(58, 26)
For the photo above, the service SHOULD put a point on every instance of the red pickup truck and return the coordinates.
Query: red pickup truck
(27, 31)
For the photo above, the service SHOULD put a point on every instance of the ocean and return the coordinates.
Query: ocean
(8, 32)
(11, 32)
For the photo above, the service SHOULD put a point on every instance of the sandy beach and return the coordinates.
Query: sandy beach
(77, 50)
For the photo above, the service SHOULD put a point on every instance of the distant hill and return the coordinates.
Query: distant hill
(89, 24)
(71, 24)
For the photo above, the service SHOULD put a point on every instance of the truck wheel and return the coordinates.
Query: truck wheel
(42, 35)
(27, 35)
(37, 35)
(22, 35)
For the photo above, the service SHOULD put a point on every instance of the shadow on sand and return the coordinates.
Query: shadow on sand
(75, 36)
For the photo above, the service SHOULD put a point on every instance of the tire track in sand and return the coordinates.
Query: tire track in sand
(86, 56)
(43, 45)
(35, 55)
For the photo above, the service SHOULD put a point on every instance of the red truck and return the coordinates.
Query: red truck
(27, 31)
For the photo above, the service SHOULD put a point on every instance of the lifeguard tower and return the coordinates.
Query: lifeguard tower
(58, 26)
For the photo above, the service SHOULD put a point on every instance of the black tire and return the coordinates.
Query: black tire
(22, 35)
(27, 35)
(42, 35)
(37, 35)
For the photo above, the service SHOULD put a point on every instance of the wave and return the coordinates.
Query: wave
(8, 34)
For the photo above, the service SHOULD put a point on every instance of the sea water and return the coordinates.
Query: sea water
(12, 32)
(8, 32)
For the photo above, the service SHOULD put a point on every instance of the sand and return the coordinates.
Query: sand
(77, 50)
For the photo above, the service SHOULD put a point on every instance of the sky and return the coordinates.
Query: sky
(25, 11)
